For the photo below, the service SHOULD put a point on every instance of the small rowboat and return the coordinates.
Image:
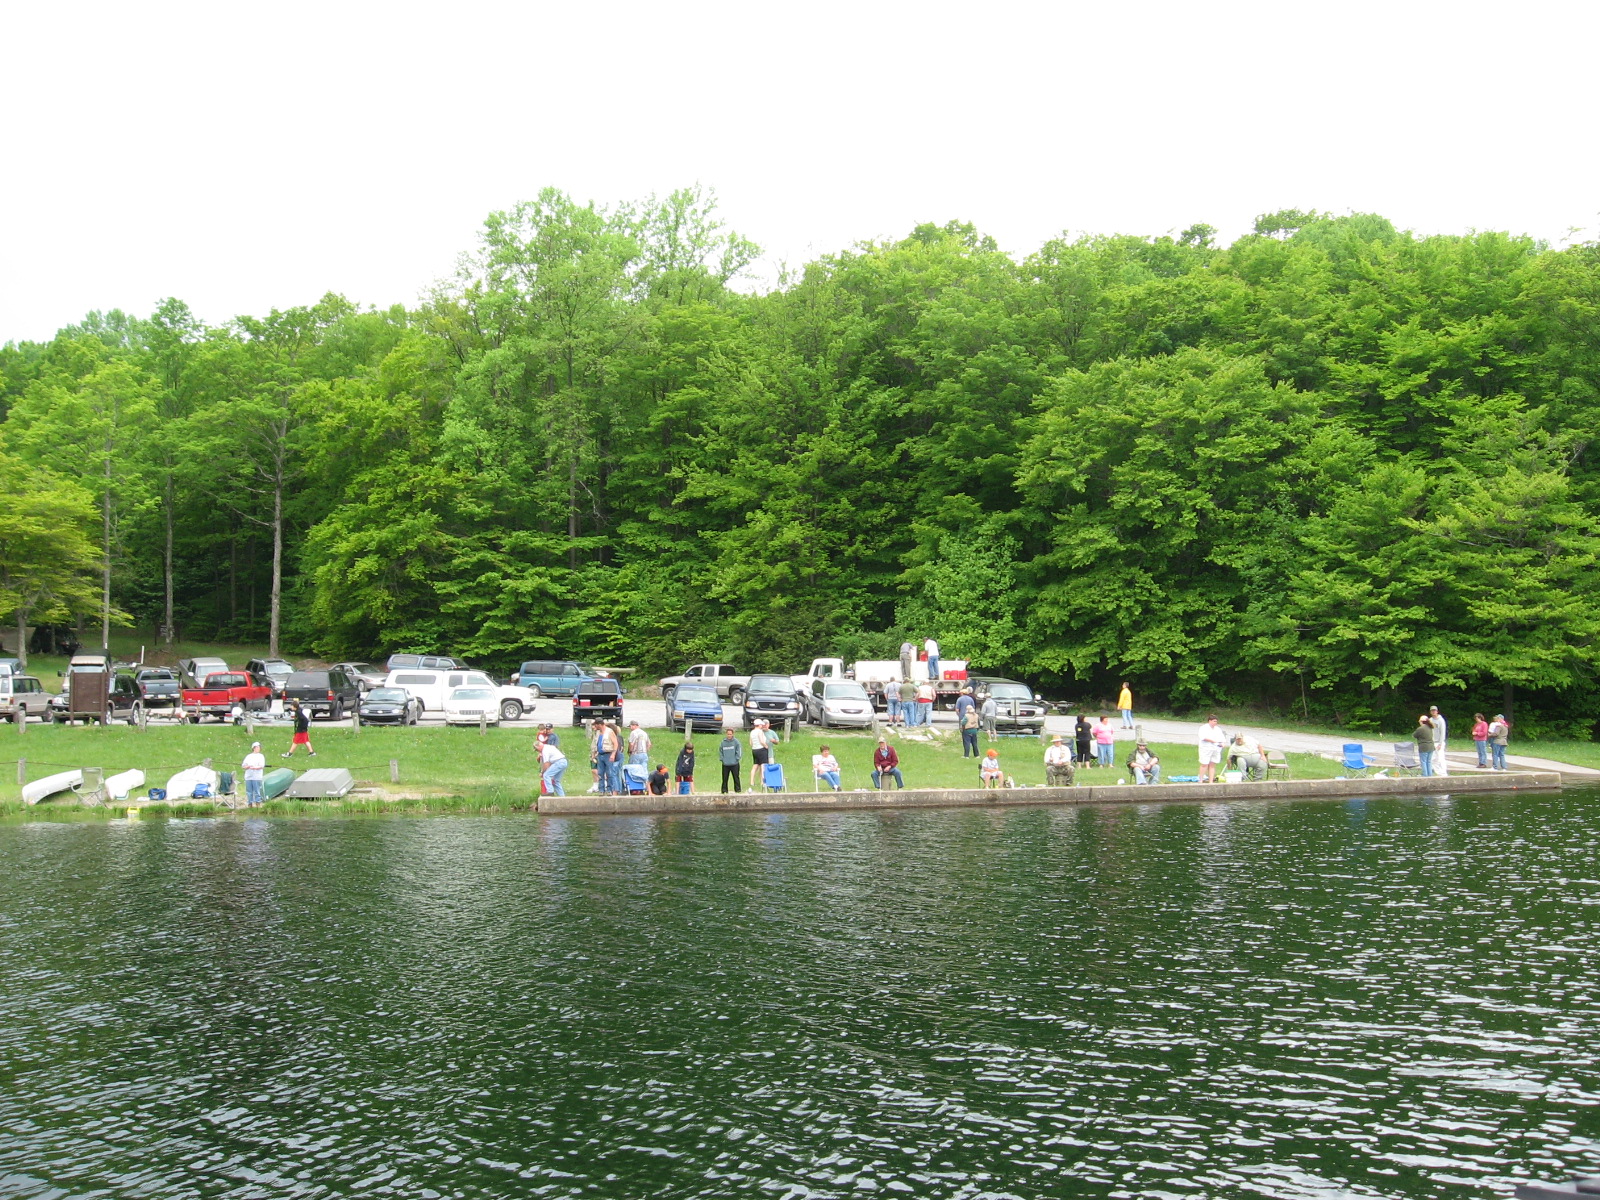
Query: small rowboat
(50, 785)
(120, 786)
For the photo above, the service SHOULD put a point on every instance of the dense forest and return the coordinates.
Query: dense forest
(1331, 468)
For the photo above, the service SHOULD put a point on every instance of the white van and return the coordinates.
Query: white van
(432, 687)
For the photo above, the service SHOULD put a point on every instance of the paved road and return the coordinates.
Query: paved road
(652, 714)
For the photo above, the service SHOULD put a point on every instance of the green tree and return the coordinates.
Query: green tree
(48, 559)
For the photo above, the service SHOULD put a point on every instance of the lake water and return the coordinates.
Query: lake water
(1314, 999)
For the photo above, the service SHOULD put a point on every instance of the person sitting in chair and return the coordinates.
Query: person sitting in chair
(1146, 767)
(1246, 756)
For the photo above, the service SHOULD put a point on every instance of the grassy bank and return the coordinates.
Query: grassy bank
(457, 770)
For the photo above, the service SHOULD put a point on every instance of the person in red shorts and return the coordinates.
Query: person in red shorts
(302, 732)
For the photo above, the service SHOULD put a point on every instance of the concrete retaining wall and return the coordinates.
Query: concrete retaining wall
(1099, 794)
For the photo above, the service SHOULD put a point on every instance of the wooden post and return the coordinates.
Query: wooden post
(250, 722)
(22, 720)
(206, 763)
(788, 729)
(394, 770)
(22, 771)
(483, 724)
(355, 718)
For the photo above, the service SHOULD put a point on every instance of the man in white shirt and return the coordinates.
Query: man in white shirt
(1436, 719)
(1213, 741)
(1057, 763)
(638, 745)
(932, 647)
(255, 774)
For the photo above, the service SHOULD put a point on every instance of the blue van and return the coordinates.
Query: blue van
(544, 677)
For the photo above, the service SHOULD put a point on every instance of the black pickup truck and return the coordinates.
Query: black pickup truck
(159, 686)
(597, 699)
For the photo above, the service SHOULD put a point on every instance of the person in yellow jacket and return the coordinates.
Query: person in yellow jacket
(1125, 703)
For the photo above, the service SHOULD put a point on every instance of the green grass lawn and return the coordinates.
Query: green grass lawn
(1579, 754)
(459, 769)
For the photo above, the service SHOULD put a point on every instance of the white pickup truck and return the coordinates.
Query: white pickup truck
(730, 687)
(872, 674)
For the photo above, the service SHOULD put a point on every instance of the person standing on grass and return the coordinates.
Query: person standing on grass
(302, 730)
(763, 744)
(255, 774)
(554, 765)
(683, 769)
(731, 752)
(638, 745)
(908, 701)
(968, 721)
(1213, 742)
(825, 767)
(1104, 737)
(1057, 763)
(925, 695)
(1082, 735)
(1440, 728)
(989, 712)
(1480, 739)
(963, 702)
(885, 762)
(1125, 704)
(1423, 736)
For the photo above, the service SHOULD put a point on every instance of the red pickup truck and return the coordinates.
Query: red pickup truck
(219, 693)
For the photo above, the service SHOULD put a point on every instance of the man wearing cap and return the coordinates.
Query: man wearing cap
(638, 745)
(1436, 719)
(760, 747)
(1146, 767)
(255, 774)
(1057, 763)
(1422, 735)
(1499, 732)
(886, 762)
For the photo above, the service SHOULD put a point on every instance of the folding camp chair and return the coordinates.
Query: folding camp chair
(1356, 759)
(772, 776)
(1277, 763)
(635, 778)
(1406, 761)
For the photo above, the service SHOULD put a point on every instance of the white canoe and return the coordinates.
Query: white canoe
(119, 786)
(39, 789)
(181, 786)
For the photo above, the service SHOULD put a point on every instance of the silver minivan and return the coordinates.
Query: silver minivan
(838, 702)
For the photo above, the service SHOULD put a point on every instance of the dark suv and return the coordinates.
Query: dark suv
(597, 698)
(771, 698)
(1016, 707)
(322, 693)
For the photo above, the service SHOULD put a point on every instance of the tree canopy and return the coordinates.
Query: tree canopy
(1333, 465)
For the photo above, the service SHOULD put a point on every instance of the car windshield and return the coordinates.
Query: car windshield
(696, 694)
(360, 668)
(780, 685)
(162, 674)
(388, 695)
(276, 668)
(472, 694)
(845, 691)
(1010, 691)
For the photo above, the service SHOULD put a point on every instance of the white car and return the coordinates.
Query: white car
(838, 702)
(470, 705)
(433, 687)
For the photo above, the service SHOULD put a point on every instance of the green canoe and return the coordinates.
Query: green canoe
(276, 781)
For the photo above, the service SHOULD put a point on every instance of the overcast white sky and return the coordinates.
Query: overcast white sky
(250, 157)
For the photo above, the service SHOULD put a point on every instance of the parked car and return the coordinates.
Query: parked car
(428, 662)
(694, 706)
(472, 706)
(552, 677)
(159, 686)
(121, 702)
(198, 668)
(1016, 707)
(597, 699)
(222, 692)
(23, 696)
(390, 706)
(771, 698)
(365, 674)
(322, 693)
(275, 671)
(720, 676)
(838, 702)
(433, 687)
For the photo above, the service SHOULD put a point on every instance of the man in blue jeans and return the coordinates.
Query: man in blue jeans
(885, 762)
(1423, 736)
(255, 774)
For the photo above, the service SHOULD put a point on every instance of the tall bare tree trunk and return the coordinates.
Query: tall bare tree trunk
(105, 570)
(277, 564)
(168, 634)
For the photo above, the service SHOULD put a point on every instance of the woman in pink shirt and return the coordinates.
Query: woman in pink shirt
(1103, 735)
(1480, 739)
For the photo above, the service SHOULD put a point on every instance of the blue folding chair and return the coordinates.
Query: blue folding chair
(1356, 759)
(772, 776)
(635, 778)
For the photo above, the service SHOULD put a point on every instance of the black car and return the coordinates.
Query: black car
(274, 672)
(122, 702)
(596, 699)
(771, 698)
(322, 693)
(390, 706)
